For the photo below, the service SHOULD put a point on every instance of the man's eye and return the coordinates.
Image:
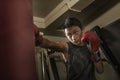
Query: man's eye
(75, 32)
(69, 35)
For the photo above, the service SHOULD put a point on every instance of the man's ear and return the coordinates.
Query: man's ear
(82, 32)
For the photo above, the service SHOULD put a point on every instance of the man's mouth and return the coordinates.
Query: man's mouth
(76, 42)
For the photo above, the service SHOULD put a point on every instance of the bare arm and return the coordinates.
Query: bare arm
(99, 66)
(57, 46)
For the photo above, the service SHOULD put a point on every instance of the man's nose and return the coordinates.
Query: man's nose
(73, 37)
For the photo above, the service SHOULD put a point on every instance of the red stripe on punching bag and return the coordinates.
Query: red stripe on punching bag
(17, 55)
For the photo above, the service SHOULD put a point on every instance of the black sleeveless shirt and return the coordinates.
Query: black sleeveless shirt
(79, 65)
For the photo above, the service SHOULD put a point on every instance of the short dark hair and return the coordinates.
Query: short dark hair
(72, 21)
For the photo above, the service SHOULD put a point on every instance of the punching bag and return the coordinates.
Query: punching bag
(17, 55)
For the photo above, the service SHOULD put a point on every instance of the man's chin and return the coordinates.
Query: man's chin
(75, 43)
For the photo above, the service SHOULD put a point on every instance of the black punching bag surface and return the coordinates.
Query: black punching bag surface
(17, 55)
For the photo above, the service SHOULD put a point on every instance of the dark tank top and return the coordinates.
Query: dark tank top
(79, 65)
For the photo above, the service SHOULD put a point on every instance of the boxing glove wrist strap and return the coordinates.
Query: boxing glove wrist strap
(96, 56)
(39, 39)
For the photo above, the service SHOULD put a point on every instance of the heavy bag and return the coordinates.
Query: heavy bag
(17, 55)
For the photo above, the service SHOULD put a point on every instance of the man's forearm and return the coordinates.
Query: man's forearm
(99, 66)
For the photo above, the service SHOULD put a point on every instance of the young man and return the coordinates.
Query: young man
(82, 59)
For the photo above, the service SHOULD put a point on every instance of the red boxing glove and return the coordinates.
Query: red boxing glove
(36, 30)
(90, 39)
(38, 37)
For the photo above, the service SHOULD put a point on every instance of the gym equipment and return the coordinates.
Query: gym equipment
(109, 42)
(17, 54)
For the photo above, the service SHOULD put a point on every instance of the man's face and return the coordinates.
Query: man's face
(74, 34)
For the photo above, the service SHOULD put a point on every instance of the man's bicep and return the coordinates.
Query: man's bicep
(58, 46)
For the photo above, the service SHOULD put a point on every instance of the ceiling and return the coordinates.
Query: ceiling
(49, 15)
(41, 8)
